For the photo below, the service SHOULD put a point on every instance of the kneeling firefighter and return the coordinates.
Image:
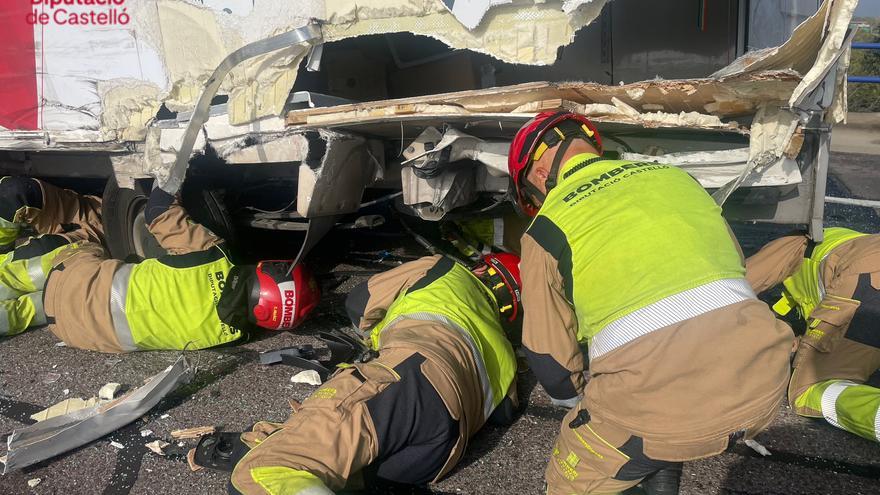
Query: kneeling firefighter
(634, 260)
(192, 298)
(444, 368)
(835, 287)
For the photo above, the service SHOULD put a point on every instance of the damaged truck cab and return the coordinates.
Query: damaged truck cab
(323, 108)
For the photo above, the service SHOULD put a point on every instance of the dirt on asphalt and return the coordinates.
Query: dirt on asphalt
(232, 390)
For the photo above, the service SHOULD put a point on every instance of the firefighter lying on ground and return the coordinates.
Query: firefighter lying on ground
(835, 288)
(192, 298)
(444, 367)
(635, 260)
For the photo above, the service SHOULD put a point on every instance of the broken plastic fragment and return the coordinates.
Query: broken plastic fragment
(35, 443)
(109, 391)
(60, 344)
(157, 446)
(66, 406)
(310, 377)
(146, 433)
(117, 445)
(192, 432)
(34, 482)
(757, 447)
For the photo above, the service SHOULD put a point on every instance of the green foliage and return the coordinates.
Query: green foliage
(865, 97)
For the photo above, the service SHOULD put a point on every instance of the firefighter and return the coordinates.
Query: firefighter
(835, 288)
(445, 366)
(192, 298)
(635, 261)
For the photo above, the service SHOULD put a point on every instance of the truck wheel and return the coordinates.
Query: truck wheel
(125, 231)
(208, 208)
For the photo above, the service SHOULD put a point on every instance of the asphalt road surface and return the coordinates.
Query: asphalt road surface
(232, 391)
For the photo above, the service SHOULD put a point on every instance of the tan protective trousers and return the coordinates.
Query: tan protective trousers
(407, 414)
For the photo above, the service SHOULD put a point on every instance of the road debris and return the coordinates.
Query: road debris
(60, 344)
(109, 391)
(191, 460)
(310, 377)
(117, 445)
(157, 446)
(165, 416)
(35, 443)
(66, 391)
(50, 378)
(192, 432)
(66, 406)
(757, 447)
(146, 433)
(34, 482)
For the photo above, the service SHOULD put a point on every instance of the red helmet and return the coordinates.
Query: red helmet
(502, 277)
(530, 140)
(280, 300)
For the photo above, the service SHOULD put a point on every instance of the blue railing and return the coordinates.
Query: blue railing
(865, 79)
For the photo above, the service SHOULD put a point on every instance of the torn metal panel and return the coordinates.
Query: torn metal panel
(470, 12)
(442, 171)
(723, 98)
(297, 39)
(516, 33)
(272, 150)
(453, 145)
(714, 169)
(813, 48)
(335, 173)
(35, 443)
(771, 134)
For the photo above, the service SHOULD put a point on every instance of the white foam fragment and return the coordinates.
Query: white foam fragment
(117, 445)
(757, 447)
(310, 377)
(109, 391)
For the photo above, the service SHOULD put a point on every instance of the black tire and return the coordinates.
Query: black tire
(208, 208)
(125, 231)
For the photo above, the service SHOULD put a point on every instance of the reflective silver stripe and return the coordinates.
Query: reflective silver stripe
(4, 320)
(670, 310)
(498, 232)
(8, 293)
(39, 313)
(829, 401)
(118, 293)
(877, 424)
(485, 384)
(35, 272)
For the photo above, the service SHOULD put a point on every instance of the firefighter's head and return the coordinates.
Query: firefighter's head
(538, 150)
(270, 295)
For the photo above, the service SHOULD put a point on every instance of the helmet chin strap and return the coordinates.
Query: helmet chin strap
(551, 181)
